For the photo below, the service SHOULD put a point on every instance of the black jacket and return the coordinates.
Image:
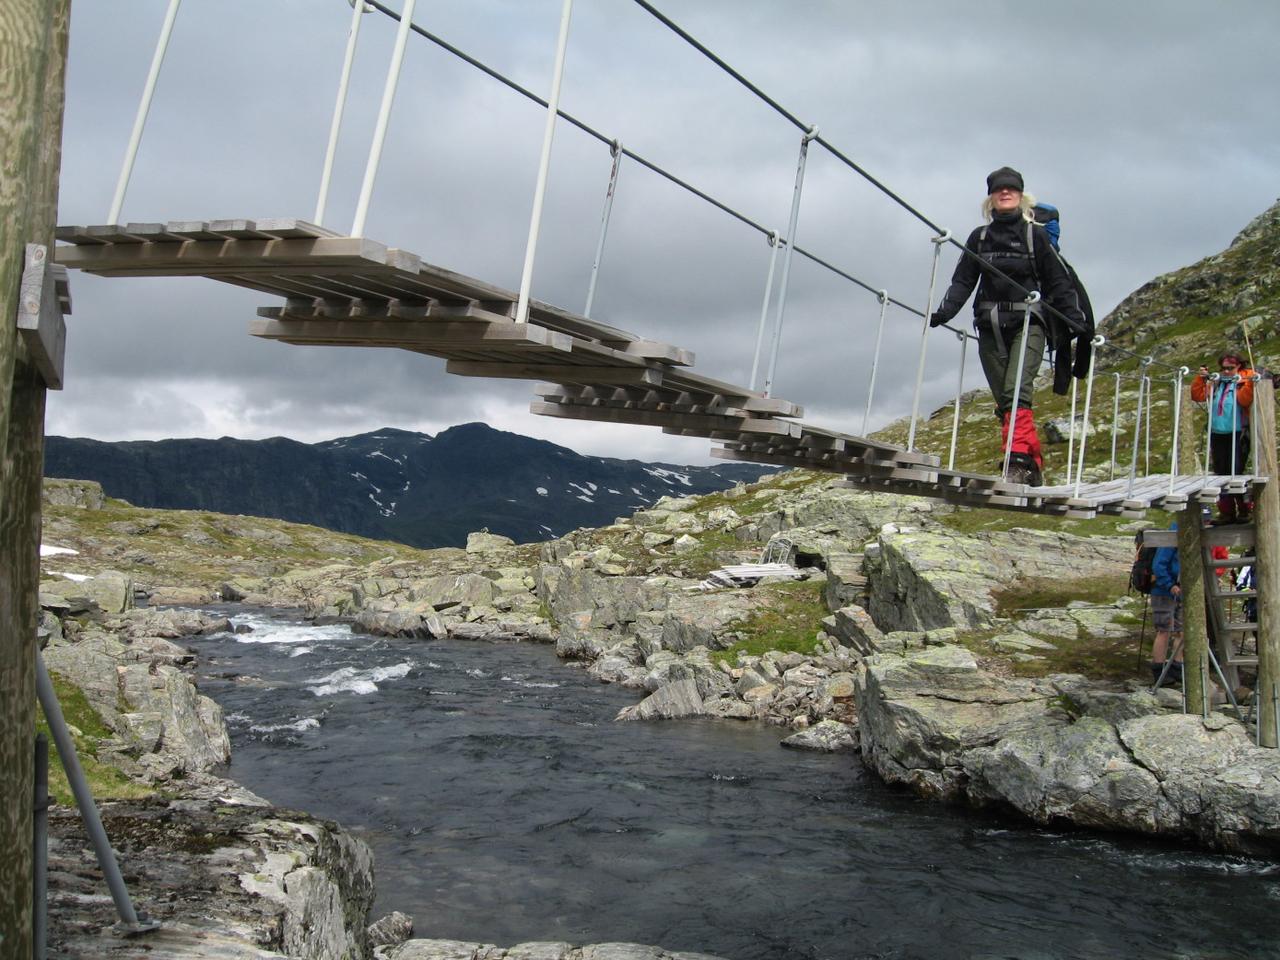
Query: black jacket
(1003, 245)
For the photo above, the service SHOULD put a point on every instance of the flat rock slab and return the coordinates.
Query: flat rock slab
(538, 950)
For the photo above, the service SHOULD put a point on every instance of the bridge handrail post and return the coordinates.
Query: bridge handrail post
(809, 135)
(144, 107)
(1032, 298)
(955, 417)
(883, 297)
(937, 242)
(1098, 341)
(1208, 423)
(615, 150)
(1071, 431)
(384, 117)
(1174, 466)
(358, 9)
(544, 164)
(1137, 426)
(774, 241)
(1267, 575)
(1115, 424)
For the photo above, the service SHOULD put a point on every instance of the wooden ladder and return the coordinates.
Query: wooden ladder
(1229, 628)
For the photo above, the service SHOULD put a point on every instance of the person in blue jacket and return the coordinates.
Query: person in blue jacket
(1166, 612)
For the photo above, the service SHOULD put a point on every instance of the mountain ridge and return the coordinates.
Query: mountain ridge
(390, 484)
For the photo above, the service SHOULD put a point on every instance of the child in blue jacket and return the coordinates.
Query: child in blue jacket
(1166, 611)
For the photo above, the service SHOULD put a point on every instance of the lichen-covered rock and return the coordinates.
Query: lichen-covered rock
(679, 698)
(827, 736)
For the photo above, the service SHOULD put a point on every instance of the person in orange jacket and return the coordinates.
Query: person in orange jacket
(1229, 398)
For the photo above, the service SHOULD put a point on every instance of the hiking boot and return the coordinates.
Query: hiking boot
(1024, 469)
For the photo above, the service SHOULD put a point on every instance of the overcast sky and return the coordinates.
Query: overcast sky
(1151, 126)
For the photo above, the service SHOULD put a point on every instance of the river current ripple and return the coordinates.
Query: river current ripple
(503, 804)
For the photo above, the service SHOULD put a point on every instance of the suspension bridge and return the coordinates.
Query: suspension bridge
(342, 288)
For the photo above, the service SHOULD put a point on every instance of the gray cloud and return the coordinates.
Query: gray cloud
(1150, 126)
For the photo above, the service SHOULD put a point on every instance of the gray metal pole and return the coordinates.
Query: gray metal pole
(809, 135)
(358, 9)
(84, 800)
(883, 297)
(40, 851)
(1137, 427)
(544, 164)
(1177, 422)
(1098, 341)
(1208, 423)
(384, 118)
(144, 107)
(764, 307)
(938, 241)
(1115, 425)
(1032, 298)
(955, 417)
(615, 149)
(1071, 432)
(1146, 468)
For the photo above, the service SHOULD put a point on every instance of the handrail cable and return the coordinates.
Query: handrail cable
(627, 152)
(835, 152)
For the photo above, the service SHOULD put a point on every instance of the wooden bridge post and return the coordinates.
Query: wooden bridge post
(1191, 564)
(1267, 573)
(33, 48)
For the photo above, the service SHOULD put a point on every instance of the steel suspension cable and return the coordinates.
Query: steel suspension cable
(626, 152)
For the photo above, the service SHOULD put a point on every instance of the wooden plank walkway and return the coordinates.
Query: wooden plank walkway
(351, 291)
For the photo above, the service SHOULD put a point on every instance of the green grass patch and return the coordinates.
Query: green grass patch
(87, 730)
(788, 624)
(1052, 594)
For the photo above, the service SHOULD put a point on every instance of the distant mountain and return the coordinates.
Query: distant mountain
(392, 484)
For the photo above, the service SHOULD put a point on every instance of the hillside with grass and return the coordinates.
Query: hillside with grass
(1188, 317)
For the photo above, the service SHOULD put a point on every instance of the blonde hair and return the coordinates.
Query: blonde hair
(1025, 204)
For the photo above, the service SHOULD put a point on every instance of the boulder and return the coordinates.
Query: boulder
(677, 699)
(86, 494)
(827, 736)
(448, 590)
(483, 541)
(845, 582)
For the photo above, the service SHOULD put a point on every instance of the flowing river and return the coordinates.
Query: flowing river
(503, 804)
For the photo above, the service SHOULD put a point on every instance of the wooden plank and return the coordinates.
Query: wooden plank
(232, 256)
(553, 372)
(394, 334)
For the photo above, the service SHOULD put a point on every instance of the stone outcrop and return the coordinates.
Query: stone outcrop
(920, 580)
(538, 950)
(1058, 750)
(234, 880)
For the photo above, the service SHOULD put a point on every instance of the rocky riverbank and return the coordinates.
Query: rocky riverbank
(974, 665)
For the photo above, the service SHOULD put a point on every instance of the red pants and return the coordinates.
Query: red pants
(1025, 438)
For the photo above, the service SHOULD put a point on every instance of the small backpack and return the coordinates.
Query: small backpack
(1141, 575)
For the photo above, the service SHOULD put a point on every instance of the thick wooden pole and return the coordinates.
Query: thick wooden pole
(1195, 679)
(1267, 575)
(33, 47)
(1191, 562)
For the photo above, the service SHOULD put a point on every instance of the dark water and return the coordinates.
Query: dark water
(503, 805)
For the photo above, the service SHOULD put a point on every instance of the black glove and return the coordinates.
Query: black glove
(937, 319)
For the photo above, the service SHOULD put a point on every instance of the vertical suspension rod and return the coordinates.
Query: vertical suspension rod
(1137, 426)
(544, 164)
(1177, 423)
(1208, 423)
(615, 150)
(384, 116)
(1032, 298)
(938, 241)
(809, 135)
(144, 107)
(1115, 426)
(1071, 433)
(955, 417)
(1098, 341)
(883, 297)
(358, 9)
(774, 241)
